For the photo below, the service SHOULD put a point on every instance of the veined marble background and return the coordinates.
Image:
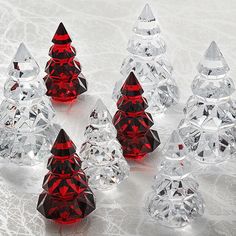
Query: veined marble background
(100, 30)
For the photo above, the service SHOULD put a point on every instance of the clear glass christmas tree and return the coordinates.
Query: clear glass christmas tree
(175, 200)
(147, 57)
(101, 153)
(26, 114)
(209, 126)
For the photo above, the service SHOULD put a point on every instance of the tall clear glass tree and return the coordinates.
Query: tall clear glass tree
(208, 129)
(26, 114)
(147, 57)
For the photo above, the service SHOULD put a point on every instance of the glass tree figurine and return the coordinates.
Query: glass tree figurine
(175, 200)
(208, 129)
(133, 123)
(64, 80)
(67, 197)
(26, 114)
(147, 57)
(101, 153)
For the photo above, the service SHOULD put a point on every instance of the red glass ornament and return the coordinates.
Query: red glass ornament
(133, 123)
(64, 80)
(67, 197)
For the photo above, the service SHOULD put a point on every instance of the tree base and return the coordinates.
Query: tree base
(135, 157)
(64, 100)
(67, 222)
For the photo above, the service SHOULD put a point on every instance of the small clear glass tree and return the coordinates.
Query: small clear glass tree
(101, 153)
(208, 129)
(147, 57)
(26, 114)
(175, 200)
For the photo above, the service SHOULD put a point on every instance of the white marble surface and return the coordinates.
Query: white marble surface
(100, 30)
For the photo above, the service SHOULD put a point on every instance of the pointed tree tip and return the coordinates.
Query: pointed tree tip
(133, 76)
(132, 73)
(61, 36)
(62, 131)
(22, 53)
(131, 86)
(99, 100)
(22, 46)
(62, 135)
(147, 14)
(63, 145)
(100, 104)
(213, 52)
(61, 27)
(213, 42)
(217, 66)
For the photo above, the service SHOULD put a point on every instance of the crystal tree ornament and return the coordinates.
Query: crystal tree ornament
(26, 114)
(67, 197)
(147, 57)
(133, 123)
(175, 200)
(64, 79)
(209, 126)
(101, 153)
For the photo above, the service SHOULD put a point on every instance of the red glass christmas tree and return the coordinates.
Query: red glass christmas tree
(66, 197)
(133, 123)
(64, 80)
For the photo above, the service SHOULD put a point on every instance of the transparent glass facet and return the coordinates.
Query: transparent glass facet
(209, 146)
(145, 47)
(32, 116)
(214, 88)
(27, 148)
(210, 116)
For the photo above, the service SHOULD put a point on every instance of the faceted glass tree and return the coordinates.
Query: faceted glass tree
(64, 79)
(175, 200)
(133, 123)
(67, 197)
(101, 153)
(147, 57)
(209, 126)
(26, 114)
